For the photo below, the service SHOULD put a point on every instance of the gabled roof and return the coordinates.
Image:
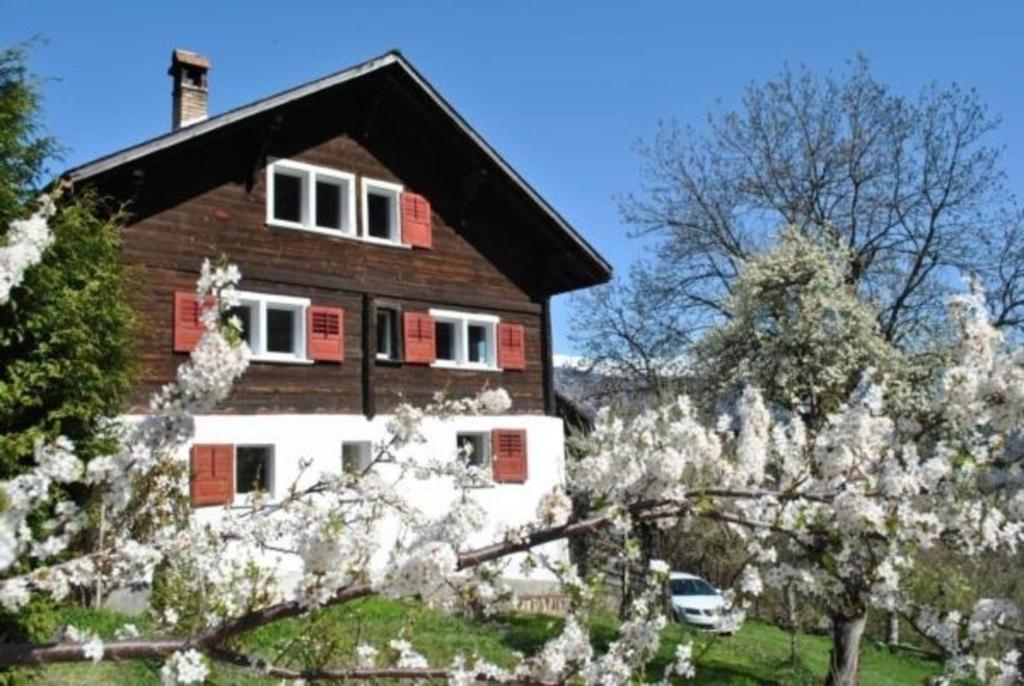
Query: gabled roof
(599, 268)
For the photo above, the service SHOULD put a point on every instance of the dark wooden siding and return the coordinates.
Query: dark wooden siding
(186, 213)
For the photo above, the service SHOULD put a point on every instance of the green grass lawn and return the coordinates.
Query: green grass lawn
(758, 654)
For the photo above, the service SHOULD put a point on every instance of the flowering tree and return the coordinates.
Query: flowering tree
(849, 501)
(329, 526)
(852, 501)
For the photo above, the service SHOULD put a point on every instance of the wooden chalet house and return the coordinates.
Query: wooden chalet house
(387, 253)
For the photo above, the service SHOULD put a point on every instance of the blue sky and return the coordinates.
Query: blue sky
(561, 89)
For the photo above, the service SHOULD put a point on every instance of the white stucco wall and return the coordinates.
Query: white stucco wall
(319, 438)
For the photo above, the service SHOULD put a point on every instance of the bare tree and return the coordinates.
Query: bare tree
(912, 186)
(633, 342)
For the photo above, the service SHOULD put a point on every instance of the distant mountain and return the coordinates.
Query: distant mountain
(589, 387)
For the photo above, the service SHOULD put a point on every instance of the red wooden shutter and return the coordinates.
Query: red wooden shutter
(511, 346)
(325, 333)
(188, 323)
(508, 455)
(213, 475)
(418, 329)
(416, 230)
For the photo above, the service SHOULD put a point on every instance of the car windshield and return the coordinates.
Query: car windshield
(691, 587)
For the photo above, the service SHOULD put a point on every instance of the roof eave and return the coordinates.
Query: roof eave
(601, 269)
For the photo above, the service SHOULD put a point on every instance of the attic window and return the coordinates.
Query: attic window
(303, 196)
(329, 199)
(288, 200)
(381, 211)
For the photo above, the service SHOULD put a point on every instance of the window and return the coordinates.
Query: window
(273, 326)
(475, 447)
(465, 340)
(378, 212)
(477, 349)
(356, 456)
(329, 199)
(691, 586)
(387, 333)
(445, 340)
(303, 196)
(281, 326)
(253, 469)
(288, 200)
(381, 213)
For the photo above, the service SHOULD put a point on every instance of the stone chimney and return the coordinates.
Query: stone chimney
(189, 72)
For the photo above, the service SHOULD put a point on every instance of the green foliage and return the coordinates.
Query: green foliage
(798, 331)
(185, 589)
(36, 622)
(758, 654)
(24, 150)
(104, 623)
(65, 335)
(66, 340)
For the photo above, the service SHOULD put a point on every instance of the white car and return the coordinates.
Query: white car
(696, 602)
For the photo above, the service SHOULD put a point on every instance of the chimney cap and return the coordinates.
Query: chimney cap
(194, 59)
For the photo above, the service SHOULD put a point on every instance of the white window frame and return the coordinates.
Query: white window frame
(309, 174)
(461, 321)
(383, 188)
(243, 498)
(258, 304)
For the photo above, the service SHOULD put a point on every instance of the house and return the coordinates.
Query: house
(387, 253)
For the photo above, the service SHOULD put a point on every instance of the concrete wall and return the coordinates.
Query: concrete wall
(319, 438)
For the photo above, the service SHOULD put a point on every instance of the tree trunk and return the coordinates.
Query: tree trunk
(98, 600)
(634, 576)
(892, 631)
(792, 623)
(844, 661)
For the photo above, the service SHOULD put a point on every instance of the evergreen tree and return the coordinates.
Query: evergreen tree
(65, 334)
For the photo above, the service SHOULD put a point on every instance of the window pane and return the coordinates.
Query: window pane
(244, 314)
(475, 446)
(477, 343)
(378, 212)
(280, 331)
(252, 469)
(328, 204)
(287, 197)
(386, 333)
(691, 587)
(355, 457)
(444, 335)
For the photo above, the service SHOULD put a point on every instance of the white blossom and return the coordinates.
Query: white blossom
(366, 655)
(554, 508)
(27, 240)
(184, 667)
(864, 487)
